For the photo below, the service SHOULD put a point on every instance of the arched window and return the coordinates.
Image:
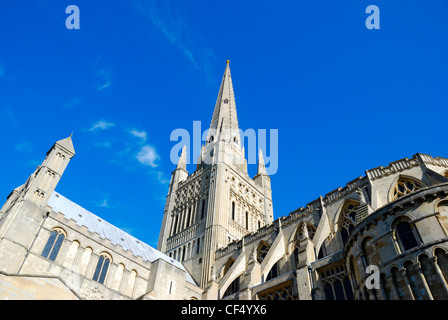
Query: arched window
(367, 250)
(405, 186)
(203, 209)
(328, 292)
(274, 272)
(101, 268)
(54, 244)
(310, 230)
(262, 251)
(228, 265)
(234, 287)
(347, 220)
(324, 249)
(233, 210)
(405, 235)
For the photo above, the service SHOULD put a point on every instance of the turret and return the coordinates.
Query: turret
(264, 181)
(43, 181)
(178, 175)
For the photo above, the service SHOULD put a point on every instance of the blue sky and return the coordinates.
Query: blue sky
(343, 98)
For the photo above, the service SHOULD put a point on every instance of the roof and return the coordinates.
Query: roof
(115, 235)
(67, 144)
(224, 114)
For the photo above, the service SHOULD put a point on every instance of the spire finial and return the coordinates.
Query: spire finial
(261, 166)
(227, 61)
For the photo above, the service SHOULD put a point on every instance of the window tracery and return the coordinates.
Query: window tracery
(405, 186)
(347, 220)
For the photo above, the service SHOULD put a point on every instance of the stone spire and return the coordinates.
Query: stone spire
(67, 144)
(182, 164)
(261, 166)
(224, 121)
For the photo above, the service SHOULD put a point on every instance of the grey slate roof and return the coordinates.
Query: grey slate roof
(93, 223)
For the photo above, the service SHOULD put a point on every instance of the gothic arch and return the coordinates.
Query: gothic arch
(233, 286)
(297, 235)
(227, 266)
(445, 173)
(346, 221)
(324, 249)
(404, 185)
(262, 250)
(273, 272)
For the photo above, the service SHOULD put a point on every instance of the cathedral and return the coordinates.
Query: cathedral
(218, 239)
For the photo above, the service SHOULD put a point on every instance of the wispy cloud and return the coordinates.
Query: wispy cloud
(174, 27)
(101, 124)
(127, 147)
(103, 74)
(25, 147)
(148, 156)
(139, 134)
(72, 102)
(161, 178)
(103, 204)
(103, 144)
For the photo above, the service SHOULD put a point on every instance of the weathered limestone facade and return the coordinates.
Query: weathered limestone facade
(51, 248)
(218, 239)
(219, 202)
(394, 218)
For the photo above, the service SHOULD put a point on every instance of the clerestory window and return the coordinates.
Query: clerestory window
(53, 245)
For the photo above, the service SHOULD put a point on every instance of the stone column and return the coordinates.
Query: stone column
(408, 285)
(439, 273)
(418, 266)
(371, 294)
(391, 283)
(381, 292)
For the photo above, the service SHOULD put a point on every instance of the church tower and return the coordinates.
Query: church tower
(219, 202)
(25, 209)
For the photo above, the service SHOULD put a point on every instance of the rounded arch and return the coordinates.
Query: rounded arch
(401, 218)
(102, 267)
(404, 185)
(392, 268)
(367, 250)
(54, 243)
(405, 233)
(60, 231)
(437, 250)
(441, 206)
(422, 255)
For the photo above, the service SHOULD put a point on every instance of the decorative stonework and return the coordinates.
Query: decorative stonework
(91, 293)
